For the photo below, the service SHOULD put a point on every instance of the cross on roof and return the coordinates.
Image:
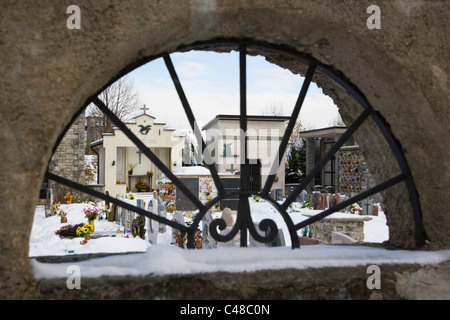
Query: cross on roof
(144, 108)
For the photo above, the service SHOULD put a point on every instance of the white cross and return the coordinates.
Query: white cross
(144, 108)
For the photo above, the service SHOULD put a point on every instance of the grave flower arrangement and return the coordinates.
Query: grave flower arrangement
(62, 214)
(69, 197)
(129, 196)
(84, 230)
(355, 208)
(256, 199)
(91, 213)
(142, 186)
(103, 214)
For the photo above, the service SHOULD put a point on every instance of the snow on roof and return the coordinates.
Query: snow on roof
(194, 171)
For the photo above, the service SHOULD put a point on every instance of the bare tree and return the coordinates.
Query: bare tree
(337, 122)
(273, 109)
(121, 98)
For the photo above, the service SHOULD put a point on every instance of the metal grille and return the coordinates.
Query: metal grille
(244, 221)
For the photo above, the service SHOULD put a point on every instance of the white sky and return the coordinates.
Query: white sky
(211, 83)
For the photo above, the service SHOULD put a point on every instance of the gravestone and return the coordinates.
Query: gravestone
(177, 235)
(340, 238)
(162, 211)
(153, 225)
(227, 216)
(182, 202)
(125, 221)
(367, 207)
(252, 242)
(320, 201)
(375, 210)
(279, 194)
(303, 196)
(49, 202)
(279, 240)
(118, 212)
(334, 199)
(208, 242)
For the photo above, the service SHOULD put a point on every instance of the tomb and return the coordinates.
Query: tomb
(348, 224)
(121, 163)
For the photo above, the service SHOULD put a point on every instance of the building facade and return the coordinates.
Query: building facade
(264, 134)
(121, 163)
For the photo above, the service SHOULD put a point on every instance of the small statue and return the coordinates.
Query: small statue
(137, 227)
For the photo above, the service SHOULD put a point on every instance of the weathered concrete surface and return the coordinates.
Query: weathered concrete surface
(396, 282)
(48, 72)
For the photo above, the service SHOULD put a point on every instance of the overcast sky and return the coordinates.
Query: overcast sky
(211, 83)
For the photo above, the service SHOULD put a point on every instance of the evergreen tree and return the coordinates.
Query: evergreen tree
(296, 159)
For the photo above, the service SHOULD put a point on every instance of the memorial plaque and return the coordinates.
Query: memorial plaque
(182, 202)
(230, 185)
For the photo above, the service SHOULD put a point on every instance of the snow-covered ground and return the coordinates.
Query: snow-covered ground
(164, 258)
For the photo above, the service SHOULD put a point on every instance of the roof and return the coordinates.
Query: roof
(323, 132)
(231, 117)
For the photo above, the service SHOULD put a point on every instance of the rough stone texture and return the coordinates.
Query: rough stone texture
(68, 159)
(323, 229)
(48, 72)
(324, 283)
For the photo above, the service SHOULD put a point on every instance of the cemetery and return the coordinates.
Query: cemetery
(115, 229)
(389, 81)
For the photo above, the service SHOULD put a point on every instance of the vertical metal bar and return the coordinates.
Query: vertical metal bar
(243, 116)
(289, 129)
(193, 123)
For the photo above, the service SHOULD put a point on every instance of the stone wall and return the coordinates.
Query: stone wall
(68, 159)
(352, 227)
(49, 71)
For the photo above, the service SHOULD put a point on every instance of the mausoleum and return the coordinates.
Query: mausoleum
(121, 163)
(264, 134)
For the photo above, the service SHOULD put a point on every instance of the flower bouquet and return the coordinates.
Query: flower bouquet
(84, 231)
(91, 213)
(69, 197)
(355, 208)
(104, 212)
(62, 214)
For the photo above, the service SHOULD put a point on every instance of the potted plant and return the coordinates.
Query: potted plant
(62, 214)
(131, 167)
